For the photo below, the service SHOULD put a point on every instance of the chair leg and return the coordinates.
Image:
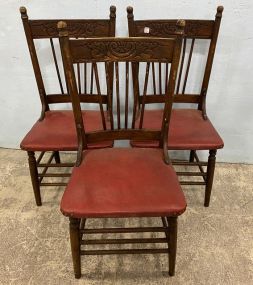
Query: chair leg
(75, 245)
(172, 224)
(34, 177)
(210, 174)
(57, 157)
(192, 152)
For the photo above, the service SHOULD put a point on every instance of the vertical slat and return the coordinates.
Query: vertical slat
(117, 94)
(160, 78)
(85, 77)
(109, 94)
(181, 66)
(153, 76)
(166, 76)
(99, 95)
(188, 65)
(56, 65)
(79, 78)
(144, 94)
(91, 79)
(135, 80)
(127, 91)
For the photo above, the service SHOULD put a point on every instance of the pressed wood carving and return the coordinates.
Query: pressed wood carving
(165, 28)
(76, 29)
(128, 50)
(158, 29)
(195, 27)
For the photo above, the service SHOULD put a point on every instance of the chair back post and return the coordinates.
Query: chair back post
(35, 62)
(135, 66)
(170, 89)
(209, 63)
(130, 20)
(112, 21)
(72, 87)
(110, 67)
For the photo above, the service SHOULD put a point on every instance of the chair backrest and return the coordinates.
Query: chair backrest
(46, 30)
(123, 51)
(196, 31)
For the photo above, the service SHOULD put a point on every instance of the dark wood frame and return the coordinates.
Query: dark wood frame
(110, 50)
(194, 29)
(47, 29)
(78, 232)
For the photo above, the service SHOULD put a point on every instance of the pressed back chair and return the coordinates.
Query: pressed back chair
(122, 182)
(55, 129)
(190, 128)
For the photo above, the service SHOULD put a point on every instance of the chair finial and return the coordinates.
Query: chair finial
(219, 11)
(130, 12)
(180, 26)
(112, 11)
(23, 12)
(62, 28)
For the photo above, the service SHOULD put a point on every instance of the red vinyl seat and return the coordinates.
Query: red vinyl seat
(57, 131)
(123, 182)
(188, 130)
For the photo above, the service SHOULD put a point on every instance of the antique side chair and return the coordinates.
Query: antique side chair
(122, 182)
(55, 129)
(190, 127)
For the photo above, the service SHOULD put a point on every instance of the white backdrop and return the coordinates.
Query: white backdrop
(231, 80)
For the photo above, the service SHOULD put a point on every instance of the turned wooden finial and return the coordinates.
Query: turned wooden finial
(130, 12)
(180, 26)
(23, 12)
(112, 11)
(62, 28)
(219, 11)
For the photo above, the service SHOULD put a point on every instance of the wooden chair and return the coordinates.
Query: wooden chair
(122, 182)
(190, 128)
(55, 129)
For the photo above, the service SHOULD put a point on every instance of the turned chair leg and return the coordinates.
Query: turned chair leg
(210, 175)
(57, 157)
(192, 153)
(34, 177)
(75, 245)
(172, 224)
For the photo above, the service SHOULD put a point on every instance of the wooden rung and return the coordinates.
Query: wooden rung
(56, 165)
(53, 184)
(192, 183)
(124, 251)
(54, 175)
(187, 163)
(124, 230)
(124, 241)
(191, 174)
(46, 168)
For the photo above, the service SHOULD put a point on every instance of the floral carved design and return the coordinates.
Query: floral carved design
(77, 29)
(104, 50)
(198, 28)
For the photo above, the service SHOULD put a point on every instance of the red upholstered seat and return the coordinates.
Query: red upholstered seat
(57, 132)
(188, 130)
(123, 182)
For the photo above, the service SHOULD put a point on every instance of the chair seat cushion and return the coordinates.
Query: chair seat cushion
(188, 130)
(57, 131)
(123, 182)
